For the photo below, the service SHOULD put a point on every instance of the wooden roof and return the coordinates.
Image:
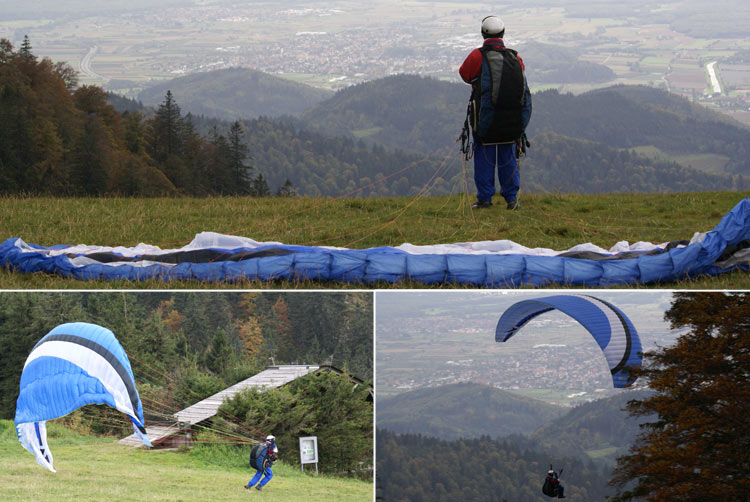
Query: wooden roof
(273, 376)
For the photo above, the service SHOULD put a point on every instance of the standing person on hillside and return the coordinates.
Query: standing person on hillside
(262, 457)
(501, 109)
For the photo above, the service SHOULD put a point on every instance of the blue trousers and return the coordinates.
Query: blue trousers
(487, 158)
(259, 474)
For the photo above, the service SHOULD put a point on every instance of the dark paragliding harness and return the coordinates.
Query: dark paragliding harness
(466, 136)
(467, 148)
(550, 488)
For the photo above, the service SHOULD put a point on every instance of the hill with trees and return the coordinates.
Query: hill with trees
(391, 137)
(237, 93)
(407, 112)
(451, 412)
(61, 139)
(414, 467)
(625, 117)
(602, 429)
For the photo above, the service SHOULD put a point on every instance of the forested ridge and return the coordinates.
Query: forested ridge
(451, 412)
(391, 137)
(61, 139)
(236, 93)
(417, 468)
(602, 427)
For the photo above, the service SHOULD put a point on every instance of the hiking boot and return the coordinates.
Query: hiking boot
(259, 488)
(480, 204)
(513, 205)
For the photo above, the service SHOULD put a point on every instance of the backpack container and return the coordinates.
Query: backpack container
(257, 454)
(498, 97)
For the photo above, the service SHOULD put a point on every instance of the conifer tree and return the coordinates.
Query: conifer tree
(166, 130)
(25, 49)
(286, 190)
(260, 187)
(238, 154)
(219, 353)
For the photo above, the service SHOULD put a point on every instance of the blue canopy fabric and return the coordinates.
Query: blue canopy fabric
(75, 364)
(608, 325)
(711, 254)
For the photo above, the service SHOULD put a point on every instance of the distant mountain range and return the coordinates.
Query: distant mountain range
(463, 410)
(616, 139)
(600, 429)
(236, 93)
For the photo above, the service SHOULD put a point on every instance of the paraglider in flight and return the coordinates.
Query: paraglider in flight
(73, 365)
(609, 326)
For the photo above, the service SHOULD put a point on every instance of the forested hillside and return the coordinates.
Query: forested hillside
(451, 412)
(61, 139)
(237, 93)
(391, 137)
(627, 117)
(196, 344)
(418, 468)
(602, 429)
(406, 112)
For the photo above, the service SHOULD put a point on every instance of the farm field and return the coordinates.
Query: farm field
(136, 47)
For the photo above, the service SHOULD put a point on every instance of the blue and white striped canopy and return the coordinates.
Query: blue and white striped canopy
(75, 364)
(610, 327)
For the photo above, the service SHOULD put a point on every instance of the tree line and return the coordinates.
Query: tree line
(63, 139)
(370, 140)
(416, 468)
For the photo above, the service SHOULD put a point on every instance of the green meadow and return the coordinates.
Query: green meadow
(549, 220)
(97, 468)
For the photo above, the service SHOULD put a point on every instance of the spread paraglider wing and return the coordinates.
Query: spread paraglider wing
(609, 326)
(75, 364)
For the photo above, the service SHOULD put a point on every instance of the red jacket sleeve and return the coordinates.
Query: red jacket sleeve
(471, 66)
(523, 66)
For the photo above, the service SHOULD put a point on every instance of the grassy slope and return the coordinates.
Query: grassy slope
(99, 469)
(553, 221)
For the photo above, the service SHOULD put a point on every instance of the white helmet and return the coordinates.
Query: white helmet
(270, 438)
(492, 26)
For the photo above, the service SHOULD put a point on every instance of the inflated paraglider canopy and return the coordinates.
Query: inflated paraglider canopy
(609, 326)
(73, 365)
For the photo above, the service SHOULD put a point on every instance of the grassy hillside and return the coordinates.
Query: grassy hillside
(91, 468)
(236, 93)
(451, 412)
(552, 221)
